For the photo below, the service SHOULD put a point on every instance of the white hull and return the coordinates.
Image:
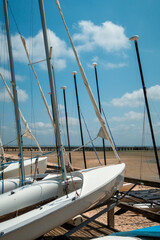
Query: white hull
(14, 183)
(48, 188)
(99, 184)
(12, 169)
(28, 195)
(9, 184)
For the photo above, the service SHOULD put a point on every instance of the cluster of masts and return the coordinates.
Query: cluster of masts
(74, 73)
(53, 94)
(90, 188)
(134, 39)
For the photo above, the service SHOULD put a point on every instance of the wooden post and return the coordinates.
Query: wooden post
(110, 218)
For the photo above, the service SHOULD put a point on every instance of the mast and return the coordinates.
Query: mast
(66, 117)
(1, 152)
(135, 38)
(79, 117)
(16, 108)
(52, 87)
(100, 109)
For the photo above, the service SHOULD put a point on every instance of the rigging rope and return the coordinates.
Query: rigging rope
(76, 149)
(91, 139)
(143, 143)
(27, 132)
(143, 138)
(103, 127)
(110, 132)
(10, 142)
(43, 97)
(13, 18)
(42, 94)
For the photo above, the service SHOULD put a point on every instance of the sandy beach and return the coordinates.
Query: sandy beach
(139, 164)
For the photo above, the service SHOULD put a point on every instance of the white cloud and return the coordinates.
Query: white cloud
(7, 75)
(61, 107)
(22, 95)
(128, 117)
(129, 99)
(127, 128)
(60, 49)
(4, 96)
(71, 121)
(114, 65)
(107, 65)
(74, 133)
(95, 59)
(59, 46)
(60, 64)
(42, 129)
(136, 98)
(108, 36)
(59, 53)
(3, 45)
(154, 92)
(42, 125)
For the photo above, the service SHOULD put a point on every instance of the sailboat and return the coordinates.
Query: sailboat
(9, 171)
(68, 194)
(11, 168)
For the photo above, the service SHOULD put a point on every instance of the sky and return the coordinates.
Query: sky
(100, 31)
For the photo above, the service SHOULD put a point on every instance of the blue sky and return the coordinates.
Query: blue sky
(100, 31)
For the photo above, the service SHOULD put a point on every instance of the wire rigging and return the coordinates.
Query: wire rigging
(13, 18)
(110, 132)
(91, 139)
(143, 139)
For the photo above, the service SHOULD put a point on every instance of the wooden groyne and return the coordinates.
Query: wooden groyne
(99, 148)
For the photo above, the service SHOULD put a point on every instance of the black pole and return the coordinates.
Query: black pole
(79, 116)
(100, 109)
(65, 107)
(146, 102)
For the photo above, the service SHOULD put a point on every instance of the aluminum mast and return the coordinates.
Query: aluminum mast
(16, 108)
(52, 87)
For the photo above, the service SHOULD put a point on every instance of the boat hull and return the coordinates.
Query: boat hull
(12, 170)
(98, 185)
(9, 184)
